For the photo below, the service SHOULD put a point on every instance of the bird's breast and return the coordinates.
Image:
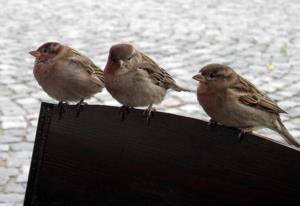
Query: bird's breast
(118, 83)
(210, 101)
(111, 68)
(40, 72)
(133, 89)
(204, 94)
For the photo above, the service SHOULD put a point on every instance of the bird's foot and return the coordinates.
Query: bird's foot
(212, 124)
(123, 111)
(243, 133)
(61, 109)
(149, 113)
(80, 105)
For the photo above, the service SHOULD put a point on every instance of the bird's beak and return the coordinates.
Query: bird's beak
(199, 78)
(36, 54)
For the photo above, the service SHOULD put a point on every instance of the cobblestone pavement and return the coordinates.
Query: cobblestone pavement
(259, 38)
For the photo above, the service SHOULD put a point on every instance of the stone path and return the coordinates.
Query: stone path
(260, 39)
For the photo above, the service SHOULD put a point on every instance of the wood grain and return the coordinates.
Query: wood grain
(96, 159)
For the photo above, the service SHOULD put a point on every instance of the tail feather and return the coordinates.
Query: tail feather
(282, 130)
(179, 89)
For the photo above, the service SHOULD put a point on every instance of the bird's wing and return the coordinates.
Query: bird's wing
(156, 74)
(87, 65)
(251, 96)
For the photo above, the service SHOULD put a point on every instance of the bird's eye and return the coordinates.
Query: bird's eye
(129, 58)
(45, 51)
(211, 76)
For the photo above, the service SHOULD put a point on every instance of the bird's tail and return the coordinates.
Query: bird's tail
(282, 130)
(179, 89)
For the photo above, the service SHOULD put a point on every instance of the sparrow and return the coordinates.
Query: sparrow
(66, 75)
(135, 80)
(233, 101)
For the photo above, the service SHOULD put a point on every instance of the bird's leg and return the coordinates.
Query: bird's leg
(123, 111)
(149, 113)
(80, 106)
(61, 108)
(212, 124)
(243, 132)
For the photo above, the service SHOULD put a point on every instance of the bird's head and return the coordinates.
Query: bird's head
(47, 51)
(122, 58)
(216, 76)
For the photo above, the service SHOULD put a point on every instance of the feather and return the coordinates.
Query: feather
(87, 65)
(158, 75)
(251, 96)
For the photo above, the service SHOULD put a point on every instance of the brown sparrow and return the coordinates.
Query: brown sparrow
(65, 74)
(233, 101)
(135, 80)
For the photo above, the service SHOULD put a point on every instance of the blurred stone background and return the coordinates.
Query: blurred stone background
(259, 38)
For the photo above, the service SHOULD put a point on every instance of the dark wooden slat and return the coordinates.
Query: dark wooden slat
(98, 160)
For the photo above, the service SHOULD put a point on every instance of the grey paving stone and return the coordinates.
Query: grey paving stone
(11, 122)
(7, 204)
(4, 179)
(14, 188)
(11, 198)
(28, 101)
(14, 132)
(288, 104)
(9, 139)
(18, 88)
(23, 177)
(12, 109)
(24, 146)
(4, 91)
(171, 102)
(6, 173)
(4, 147)
(19, 158)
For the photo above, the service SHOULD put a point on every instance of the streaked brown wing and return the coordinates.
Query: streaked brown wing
(87, 65)
(158, 75)
(251, 96)
(99, 73)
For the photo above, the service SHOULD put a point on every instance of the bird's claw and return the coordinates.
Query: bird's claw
(243, 133)
(212, 124)
(61, 109)
(149, 114)
(80, 105)
(123, 111)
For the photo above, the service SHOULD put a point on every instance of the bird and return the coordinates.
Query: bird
(233, 101)
(66, 75)
(135, 80)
